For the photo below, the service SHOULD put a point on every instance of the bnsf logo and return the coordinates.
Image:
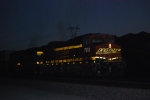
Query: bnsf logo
(107, 50)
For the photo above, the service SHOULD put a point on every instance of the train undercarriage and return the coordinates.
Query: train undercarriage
(96, 68)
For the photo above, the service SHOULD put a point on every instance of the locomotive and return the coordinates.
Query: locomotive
(91, 54)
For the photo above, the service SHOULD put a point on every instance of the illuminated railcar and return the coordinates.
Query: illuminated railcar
(26, 62)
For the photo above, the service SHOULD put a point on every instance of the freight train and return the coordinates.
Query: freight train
(91, 54)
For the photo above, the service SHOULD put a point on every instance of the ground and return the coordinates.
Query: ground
(21, 89)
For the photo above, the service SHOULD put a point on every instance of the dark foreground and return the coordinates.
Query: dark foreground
(25, 89)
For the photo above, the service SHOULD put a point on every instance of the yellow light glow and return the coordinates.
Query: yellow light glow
(56, 61)
(104, 58)
(18, 64)
(114, 58)
(64, 60)
(52, 61)
(47, 61)
(39, 53)
(94, 58)
(69, 60)
(37, 62)
(68, 47)
(60, 61)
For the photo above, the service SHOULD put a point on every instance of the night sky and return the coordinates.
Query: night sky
(31, 23)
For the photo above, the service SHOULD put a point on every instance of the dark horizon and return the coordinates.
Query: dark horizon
(137, 34)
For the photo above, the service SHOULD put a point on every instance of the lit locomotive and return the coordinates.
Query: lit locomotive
(88, 55)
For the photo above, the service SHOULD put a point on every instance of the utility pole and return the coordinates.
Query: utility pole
(74, 31)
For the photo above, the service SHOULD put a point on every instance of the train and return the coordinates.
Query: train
(92, 54)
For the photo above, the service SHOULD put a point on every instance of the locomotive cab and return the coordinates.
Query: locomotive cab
(104, 54)
(96, 39)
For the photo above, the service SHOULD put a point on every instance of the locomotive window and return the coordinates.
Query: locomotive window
(109, 40)
(87, 42)
(97, 40)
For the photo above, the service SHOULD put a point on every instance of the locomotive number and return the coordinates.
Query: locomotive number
(87, 49)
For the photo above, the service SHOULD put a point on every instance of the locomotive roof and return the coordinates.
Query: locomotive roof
(76, 40)
(72, 41)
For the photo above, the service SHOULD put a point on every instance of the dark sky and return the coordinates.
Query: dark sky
(29, 23)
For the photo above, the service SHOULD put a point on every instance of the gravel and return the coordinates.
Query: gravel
(90, 92)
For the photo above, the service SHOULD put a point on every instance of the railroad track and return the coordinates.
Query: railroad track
(111, 82)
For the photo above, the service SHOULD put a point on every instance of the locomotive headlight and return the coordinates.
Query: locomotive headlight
(104, 58)
(37, 62)
(94, 61)
(114, 58)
